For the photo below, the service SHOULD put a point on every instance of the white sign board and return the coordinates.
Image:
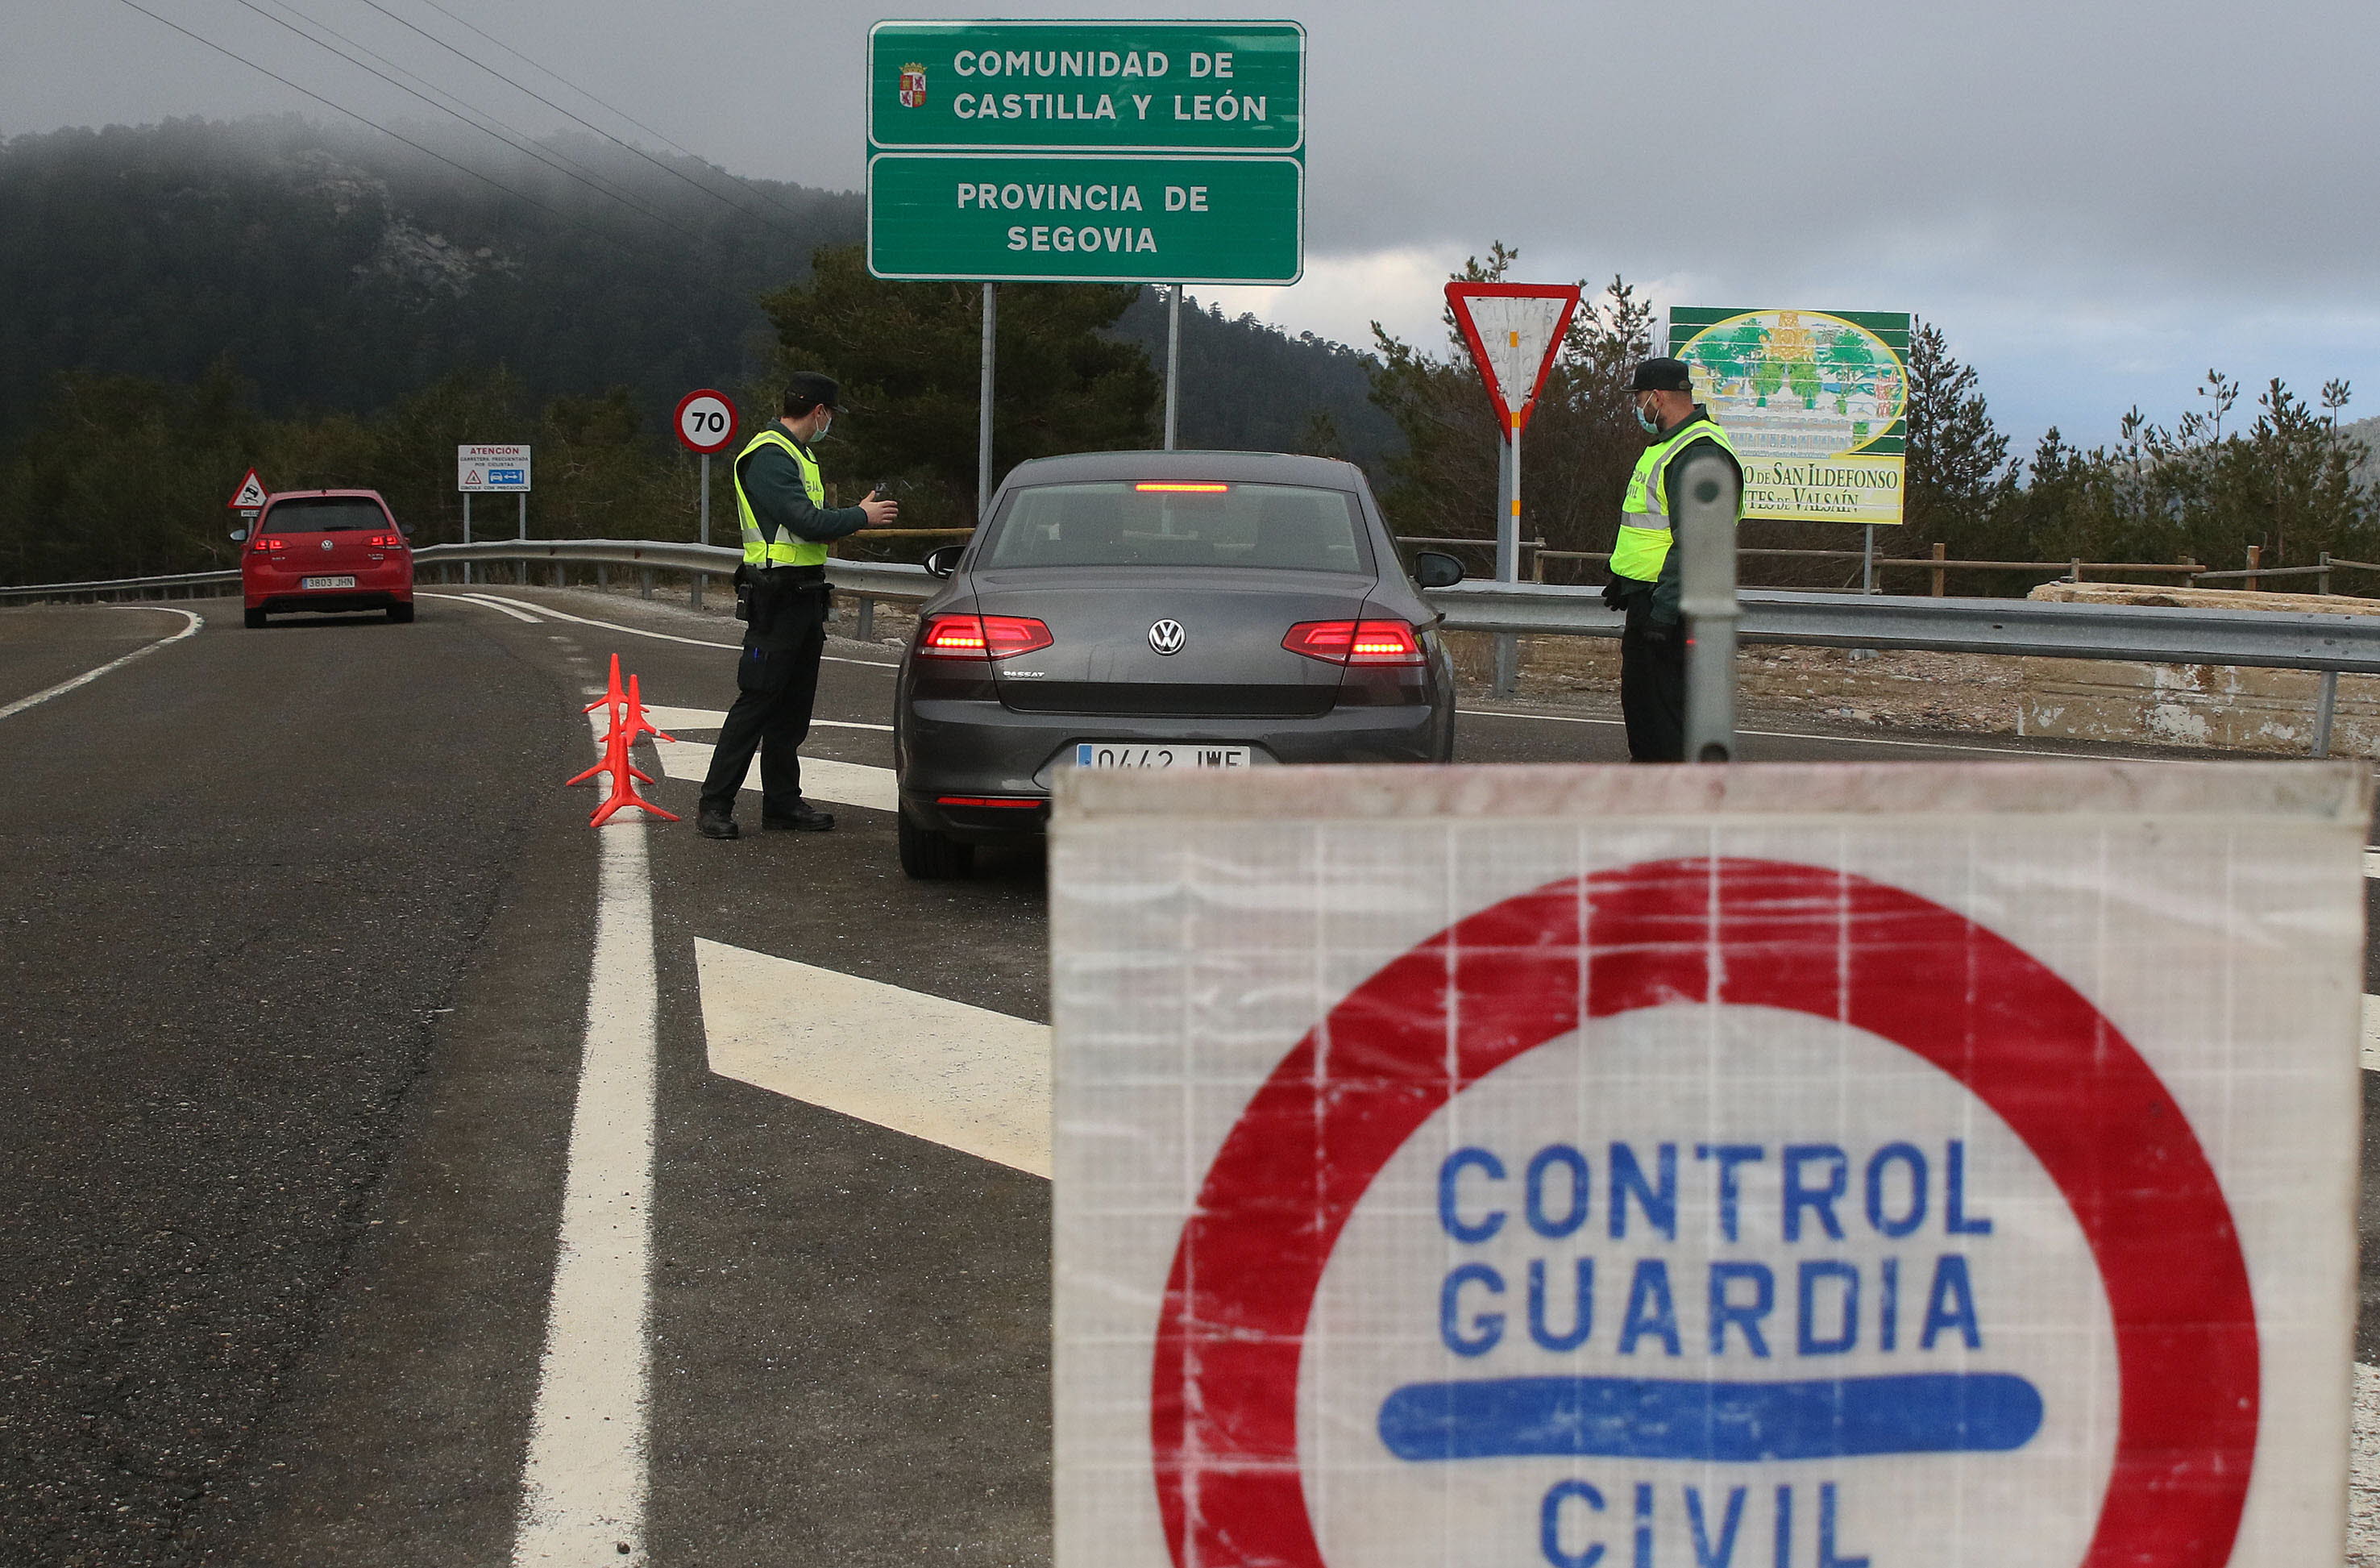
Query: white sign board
(1780, 1167)
(479, 469)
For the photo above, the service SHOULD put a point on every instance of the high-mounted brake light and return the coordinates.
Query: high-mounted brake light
(1181, 487)
(981, 636)
(1355, 642)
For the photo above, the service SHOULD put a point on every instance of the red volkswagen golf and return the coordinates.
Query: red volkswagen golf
(327, 550)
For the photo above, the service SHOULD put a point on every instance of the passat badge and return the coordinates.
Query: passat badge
(1168, 638)
(913, 86)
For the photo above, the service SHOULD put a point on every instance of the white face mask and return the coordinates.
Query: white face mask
(1651, 423)
(824, 426)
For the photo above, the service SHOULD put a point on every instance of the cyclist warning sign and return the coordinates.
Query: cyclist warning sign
(1790, 1167)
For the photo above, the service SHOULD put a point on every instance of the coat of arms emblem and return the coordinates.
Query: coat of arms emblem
(913, 85)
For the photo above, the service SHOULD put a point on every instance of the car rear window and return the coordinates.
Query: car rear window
(1185, 523)
(324, 514)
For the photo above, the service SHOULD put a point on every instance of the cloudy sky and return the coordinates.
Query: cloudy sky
(2098, 200)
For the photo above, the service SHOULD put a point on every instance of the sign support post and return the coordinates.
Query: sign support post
(983, 405)
(706, 423)
(466, 533)
(1707, 597)
(1172, 362)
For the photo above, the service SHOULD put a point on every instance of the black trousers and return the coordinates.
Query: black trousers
(776, 682)
(1652, 685)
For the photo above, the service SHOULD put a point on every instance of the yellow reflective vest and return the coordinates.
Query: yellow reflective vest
(1644, 541)
(779, 549)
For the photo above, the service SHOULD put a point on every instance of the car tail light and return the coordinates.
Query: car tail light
(271, 544)
(386, 542)
(982, 637)
(991, 802)
(1181, 487)
(1355, 642)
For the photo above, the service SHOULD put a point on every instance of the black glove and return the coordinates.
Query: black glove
(1658, 634)
(1615, 597)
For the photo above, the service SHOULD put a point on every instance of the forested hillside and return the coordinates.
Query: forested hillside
(177, 301)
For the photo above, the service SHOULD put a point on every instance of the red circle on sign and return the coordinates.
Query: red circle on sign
(713, 435)
(1431, 1023)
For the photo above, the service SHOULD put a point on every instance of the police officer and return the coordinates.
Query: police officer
(780, 501)
(1644, 570)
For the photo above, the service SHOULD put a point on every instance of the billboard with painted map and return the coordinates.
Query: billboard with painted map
(1815, 401)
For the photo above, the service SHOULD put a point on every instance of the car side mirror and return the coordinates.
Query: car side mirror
(239, 536)
(1434, 569)
(941, 563)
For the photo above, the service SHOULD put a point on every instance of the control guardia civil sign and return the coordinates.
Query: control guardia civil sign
(1132, 152)
(1791, 1167)
(1815, 402)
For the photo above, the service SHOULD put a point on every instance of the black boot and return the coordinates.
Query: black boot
(804, 818)
(715, 824)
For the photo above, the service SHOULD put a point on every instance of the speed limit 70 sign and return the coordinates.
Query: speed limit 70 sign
(706, 420)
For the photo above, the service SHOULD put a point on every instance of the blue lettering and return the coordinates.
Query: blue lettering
(1550, 1526)
(1660, 1206)
(1705, 1555)
(1448, 1214)
(1644, 1526)
(1485, 1328)
(1954, 1198)
(1784, 1527)
(1582, 1315)
(1888, 1324)
(1799, 1197)
(1806, 1342)
(1909, 1155)
(1651, 1308)
(1746, 1314)
(1729, 1156)
(1570, 1160)
(1827, 1557)
(1951, 1304)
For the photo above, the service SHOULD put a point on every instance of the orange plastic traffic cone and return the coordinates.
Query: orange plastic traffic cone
(625, 713)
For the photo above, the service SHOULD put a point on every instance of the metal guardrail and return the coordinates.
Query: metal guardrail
(2333, 645)
(2146, 634)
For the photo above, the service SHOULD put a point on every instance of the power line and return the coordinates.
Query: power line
(579, 119)
(488, 180)
(468, 110)
(533, 151)
(460, 168)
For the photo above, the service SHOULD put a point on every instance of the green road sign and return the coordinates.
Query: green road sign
(1159, 87)
(1085, 218)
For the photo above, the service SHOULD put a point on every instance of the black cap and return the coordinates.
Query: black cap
(805, 390)
(1662, 376)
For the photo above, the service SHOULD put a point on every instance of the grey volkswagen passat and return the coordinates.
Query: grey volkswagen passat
(1161, 610)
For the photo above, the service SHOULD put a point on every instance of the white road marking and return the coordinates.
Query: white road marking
(965, 1078)
(844, 783)
(484, 603)
(666, 637)
(2372, 862)
(2372, 1034)
(89, 675)
(584, 1485)
(712, 718)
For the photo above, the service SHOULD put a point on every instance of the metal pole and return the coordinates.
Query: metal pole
(1508, 554)
(2325, 708)
(467, 531)
(983, 409)
(524, 514)
(1172, 362)
(1867, 562)
(1706, 516)
(693, 584)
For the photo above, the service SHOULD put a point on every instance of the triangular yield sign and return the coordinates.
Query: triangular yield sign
(249, 495)
(1514, 330)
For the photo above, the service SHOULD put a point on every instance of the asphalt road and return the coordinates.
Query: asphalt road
(299, 926)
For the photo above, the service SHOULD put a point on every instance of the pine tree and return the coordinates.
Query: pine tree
(1957, 466)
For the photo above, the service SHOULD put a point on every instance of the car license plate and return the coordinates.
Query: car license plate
(1118, 754)
(326, 582)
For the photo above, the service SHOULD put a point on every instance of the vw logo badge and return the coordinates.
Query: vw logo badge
(326, 544)
(1168, 638)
